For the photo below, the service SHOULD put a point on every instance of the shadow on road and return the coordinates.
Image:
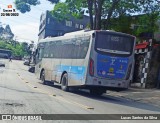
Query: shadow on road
(112, 99)
(120, 101)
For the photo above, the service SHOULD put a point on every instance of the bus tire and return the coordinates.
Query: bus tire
(43, 77)
(64, 82)
(96, 92)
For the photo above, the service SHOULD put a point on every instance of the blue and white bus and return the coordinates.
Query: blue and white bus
(95, 60)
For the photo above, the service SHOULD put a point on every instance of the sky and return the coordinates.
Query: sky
(25, 27)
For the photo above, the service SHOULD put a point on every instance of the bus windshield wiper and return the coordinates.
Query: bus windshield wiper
(107, 50)
(123, 52)
(112, 51)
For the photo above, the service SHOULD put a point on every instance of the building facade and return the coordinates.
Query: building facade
(50, 27)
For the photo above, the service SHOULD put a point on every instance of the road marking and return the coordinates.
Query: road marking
(54, 95)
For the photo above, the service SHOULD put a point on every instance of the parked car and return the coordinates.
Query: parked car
(2, 64)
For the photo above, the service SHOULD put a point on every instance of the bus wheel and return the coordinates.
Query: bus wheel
(64, 82)
(96, 92)
(43, 77)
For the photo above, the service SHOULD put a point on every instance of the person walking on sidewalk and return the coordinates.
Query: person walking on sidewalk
(10, 59)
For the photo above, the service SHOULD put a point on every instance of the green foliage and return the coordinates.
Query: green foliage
(63, 10)
(60, 11)
(25, 5)
(75, 6)
(54, 1)
(130, 7)
(147, 23)
(141, 23)
(17, 50)
(124, 7)
(121, 24)
(110, 9)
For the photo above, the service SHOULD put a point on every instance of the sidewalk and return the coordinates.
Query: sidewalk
(149, 96)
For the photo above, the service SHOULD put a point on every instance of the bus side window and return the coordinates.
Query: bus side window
(58, 49)
(74, 50)
(51, 50)
(68, 46)
(85, 46)
(39, 54)
(78, 48)
(46, 50)
(82, 45)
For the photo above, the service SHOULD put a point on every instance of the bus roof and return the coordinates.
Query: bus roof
(68, 35)
(80, 33)
(91, 31)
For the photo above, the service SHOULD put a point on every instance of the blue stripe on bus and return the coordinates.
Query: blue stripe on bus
(76, 72)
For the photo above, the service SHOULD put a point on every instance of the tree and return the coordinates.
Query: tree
(18, 50)
(98, 9)
(24, 46)
(98, 13)
(54, 1)
(60, 11)
(107, 9)
(25, 5)
(147, 23)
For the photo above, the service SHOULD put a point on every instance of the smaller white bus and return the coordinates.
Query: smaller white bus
(95, 60)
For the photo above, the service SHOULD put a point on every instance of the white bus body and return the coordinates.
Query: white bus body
(97, 60)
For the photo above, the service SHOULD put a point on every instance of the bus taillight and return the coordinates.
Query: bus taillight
(91, 67)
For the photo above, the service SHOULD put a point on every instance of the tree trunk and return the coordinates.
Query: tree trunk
(95, 13)
(90, 9)
(99, 14)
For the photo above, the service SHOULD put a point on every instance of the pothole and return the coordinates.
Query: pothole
(14, 104)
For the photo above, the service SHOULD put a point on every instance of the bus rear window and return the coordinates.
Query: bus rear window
(113, 43)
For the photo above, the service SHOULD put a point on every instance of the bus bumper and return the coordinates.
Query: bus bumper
(109, 84)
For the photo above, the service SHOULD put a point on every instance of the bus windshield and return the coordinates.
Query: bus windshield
(114, 43)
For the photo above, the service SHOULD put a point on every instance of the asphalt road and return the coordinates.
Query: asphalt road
(22, 93)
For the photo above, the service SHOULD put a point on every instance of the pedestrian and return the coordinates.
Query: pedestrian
(10, 59)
